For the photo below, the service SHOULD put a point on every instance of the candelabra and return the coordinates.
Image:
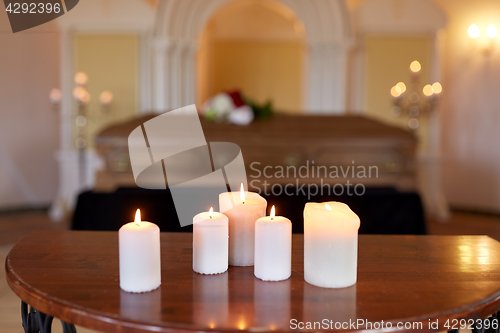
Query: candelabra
(82, 98)
(415, 102)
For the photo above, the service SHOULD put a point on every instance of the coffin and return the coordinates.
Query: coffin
(277, 149)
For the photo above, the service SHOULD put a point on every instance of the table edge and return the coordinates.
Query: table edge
(78, 315)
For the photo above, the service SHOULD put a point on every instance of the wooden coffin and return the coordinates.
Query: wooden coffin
(324, 145)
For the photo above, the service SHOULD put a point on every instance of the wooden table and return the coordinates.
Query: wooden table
(74, 276)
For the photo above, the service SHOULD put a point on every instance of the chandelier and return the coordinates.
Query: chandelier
(414, 101)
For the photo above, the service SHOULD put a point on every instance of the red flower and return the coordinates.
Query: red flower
(236, 97)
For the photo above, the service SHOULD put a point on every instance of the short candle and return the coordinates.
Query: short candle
(273, 248)
(243, 209)
(210, 243)
(139, 249)
(330, 244)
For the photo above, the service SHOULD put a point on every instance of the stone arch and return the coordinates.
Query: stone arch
(180, 22)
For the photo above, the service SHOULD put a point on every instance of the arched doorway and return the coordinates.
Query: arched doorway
(180, 23)
(256, 47)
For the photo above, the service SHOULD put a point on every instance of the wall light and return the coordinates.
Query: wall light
(491, 31)
(486, 42)
(474, 31)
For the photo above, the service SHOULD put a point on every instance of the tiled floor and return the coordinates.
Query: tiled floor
(15, 226)
(9, 303)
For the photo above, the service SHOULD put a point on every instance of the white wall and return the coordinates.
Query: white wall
(471, 108)
(29, 129)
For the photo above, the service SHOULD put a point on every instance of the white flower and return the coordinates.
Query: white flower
(223, 103)
(242, 115)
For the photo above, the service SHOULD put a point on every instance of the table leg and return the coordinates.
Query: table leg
(35, 321)
(493, 325)
(487, 325)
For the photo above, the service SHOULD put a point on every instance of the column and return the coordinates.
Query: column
(190, 74)
(160, 75)
(313, 81)
(175, 76)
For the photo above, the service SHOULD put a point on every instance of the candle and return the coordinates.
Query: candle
(415, 67)
(243, 209)
(330, 244)
(210, 243)
(273, 248)
(139, 249)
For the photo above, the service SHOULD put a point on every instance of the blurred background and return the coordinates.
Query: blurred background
(407, 85)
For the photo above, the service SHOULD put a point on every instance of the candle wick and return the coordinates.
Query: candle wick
(272, 218)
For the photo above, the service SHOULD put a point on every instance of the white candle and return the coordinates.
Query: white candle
(139, 248)
(273, 248)
(330, 244)
(210, 243)
(243, 209)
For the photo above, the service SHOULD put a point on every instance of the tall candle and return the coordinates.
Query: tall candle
(243, 209)
(330, 244)
(139, 249)
(273, 248)
(210, 243)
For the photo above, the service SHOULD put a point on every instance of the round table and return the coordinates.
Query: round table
(402, 281)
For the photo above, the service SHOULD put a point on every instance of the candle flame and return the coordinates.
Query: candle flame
(138, 217)
(328, 207)
(242, 194)
(272, 212)
(242, 324)
(211, 213)
(437, 88)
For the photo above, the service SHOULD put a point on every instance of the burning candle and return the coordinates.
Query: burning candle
(139, 249)
(330, 244)
(273, 248)
(210, 243)
(243, 209)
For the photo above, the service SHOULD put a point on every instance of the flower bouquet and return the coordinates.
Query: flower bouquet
(233, 107)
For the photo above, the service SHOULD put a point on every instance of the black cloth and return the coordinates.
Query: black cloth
(381, 210)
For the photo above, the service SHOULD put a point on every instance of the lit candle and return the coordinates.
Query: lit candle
(210, 243)
(415, 67)
(437, 88)
(427, 90)
(273, 248)
(139, 248)
(243, 209)
(330, 244)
